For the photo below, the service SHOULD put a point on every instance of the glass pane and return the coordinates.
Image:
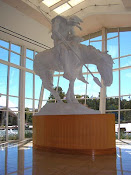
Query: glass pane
(126, 61)
(46, 94)
(116, 64)
(29, 53)
(12, 125)
(79, 88)
(3, 78)
(16, 48)
(112, 103)
(29, 64)
(14, 58)
(125, 40)
(64, 84)
(29, 85)
(2, 125)
(28, 105)
(4, 54)
(109, 35)
(93, 89)
(85, 42)
(84, 69)
(125, 82)
(97, 45)
(55, 81)
(113, 90)
(12, 159)
(126, 118)
(82, 100)
(38, 84)
(2, 102)
(13, 103)
(126, 102)
(14, 81)
(125, 126)
(4, 44)
(28, 116)
(43, 103)
(93, 103)
(112, 47)
(92, 68)
(56, 73)
(36, 105)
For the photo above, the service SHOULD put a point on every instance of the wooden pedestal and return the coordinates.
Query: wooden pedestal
(88, 134)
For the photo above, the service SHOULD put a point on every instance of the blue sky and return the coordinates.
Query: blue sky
(92, 88)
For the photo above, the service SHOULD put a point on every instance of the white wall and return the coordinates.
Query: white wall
(16, 21)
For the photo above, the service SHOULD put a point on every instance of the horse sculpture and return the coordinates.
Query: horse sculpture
(48, 61)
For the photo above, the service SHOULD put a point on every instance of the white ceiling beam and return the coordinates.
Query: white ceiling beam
(58, 4)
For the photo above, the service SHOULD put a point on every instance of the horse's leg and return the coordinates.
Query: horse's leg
(70, 97)
(54, 93)
(47, 81)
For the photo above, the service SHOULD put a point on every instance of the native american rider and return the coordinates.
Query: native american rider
(67, 45)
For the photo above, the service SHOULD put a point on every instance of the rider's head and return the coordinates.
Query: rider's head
(61, 18)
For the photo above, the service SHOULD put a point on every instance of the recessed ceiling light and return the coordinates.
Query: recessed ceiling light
(62, 8)
(75, 2)
(49, 3)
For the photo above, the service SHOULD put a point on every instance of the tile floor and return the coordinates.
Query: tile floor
(21, 159)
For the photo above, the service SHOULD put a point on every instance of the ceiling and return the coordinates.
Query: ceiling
(95, 14)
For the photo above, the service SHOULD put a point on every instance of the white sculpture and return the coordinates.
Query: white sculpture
(69, 56)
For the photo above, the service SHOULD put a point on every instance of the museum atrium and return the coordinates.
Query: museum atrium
(25, 30)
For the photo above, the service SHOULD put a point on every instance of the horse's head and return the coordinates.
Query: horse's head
(74, 21)
(105, 69)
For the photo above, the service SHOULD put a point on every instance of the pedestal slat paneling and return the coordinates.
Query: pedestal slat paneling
(75, 133)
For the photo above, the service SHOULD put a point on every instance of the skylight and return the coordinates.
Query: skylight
(62, 8)
(49, 3)
(75, 2)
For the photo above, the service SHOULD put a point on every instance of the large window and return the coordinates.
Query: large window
(15, 59)
(118, 94)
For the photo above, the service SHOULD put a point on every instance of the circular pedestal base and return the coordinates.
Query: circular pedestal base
(87, 134)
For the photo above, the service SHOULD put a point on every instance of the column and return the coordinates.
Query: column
(102, 106)
(21, 118)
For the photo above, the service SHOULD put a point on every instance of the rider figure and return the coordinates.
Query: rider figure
(65, 41)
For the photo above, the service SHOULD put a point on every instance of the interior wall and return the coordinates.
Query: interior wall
(16, 21)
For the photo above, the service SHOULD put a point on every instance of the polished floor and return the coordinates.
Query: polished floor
(21, 159)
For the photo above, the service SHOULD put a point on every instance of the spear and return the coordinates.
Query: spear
(96, 80)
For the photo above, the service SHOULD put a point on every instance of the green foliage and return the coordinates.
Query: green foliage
(28, 134)
(111, 103)
(13, 137)
(28, 116)
(61, 94)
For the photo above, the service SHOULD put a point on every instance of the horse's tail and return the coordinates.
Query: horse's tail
(42, 70)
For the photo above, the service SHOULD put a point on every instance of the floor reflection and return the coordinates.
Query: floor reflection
(21, 159)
